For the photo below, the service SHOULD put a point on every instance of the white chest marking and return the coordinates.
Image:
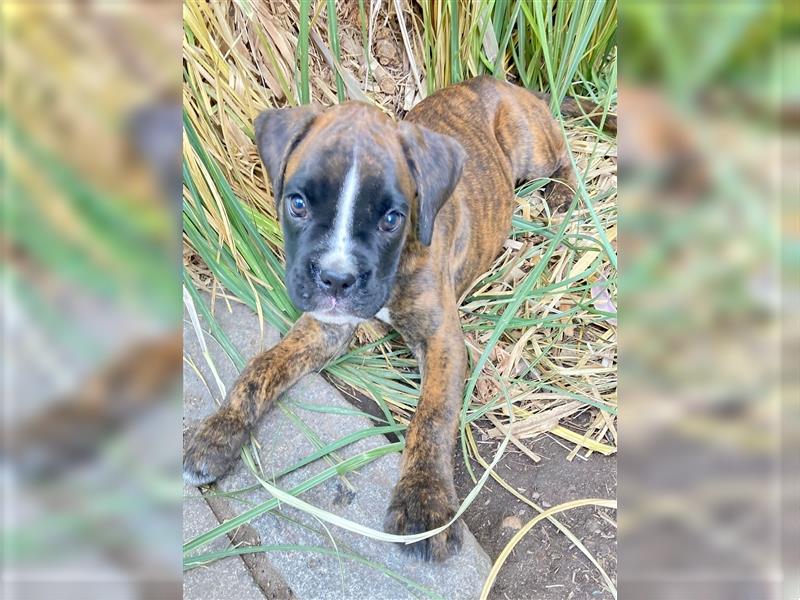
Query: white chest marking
(383, 315)
(339, 254)
(336, 319)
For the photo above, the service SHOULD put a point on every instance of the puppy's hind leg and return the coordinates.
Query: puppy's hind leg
(560, 192)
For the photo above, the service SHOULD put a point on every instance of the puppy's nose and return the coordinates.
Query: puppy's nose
(336, 282)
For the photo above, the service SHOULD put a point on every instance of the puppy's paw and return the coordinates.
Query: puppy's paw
(558, 196)
(213, 448)
(419, 504)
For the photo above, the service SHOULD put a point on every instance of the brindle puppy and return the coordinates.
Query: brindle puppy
(391, 220)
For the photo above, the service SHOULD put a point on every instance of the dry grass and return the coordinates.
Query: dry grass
(560, 364)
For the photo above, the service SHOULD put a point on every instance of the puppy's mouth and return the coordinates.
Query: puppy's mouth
(333, 310)
(330, 305)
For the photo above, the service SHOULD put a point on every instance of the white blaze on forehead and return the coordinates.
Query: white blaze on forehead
(339, 254)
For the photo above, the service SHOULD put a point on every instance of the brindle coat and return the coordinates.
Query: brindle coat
(497, 134)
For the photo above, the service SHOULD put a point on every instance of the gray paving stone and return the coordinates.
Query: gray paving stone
(226, 579)
(360, 496)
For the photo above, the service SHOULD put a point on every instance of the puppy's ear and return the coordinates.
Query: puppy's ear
(278, 131)
(436, 162)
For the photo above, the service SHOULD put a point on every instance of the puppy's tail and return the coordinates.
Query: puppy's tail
(572, 107)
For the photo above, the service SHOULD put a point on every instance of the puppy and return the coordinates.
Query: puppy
(392, 220)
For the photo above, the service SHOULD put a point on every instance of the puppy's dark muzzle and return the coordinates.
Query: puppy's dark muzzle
(336, 283)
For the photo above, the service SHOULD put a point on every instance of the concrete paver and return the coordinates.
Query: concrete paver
(360, 496)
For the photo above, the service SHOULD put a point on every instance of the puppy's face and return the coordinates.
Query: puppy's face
(344, 212)
(347, 197)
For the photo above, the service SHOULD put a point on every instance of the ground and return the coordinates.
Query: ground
(545, 565)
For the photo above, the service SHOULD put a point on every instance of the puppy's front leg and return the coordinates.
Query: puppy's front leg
(425, 497)
(217, 441)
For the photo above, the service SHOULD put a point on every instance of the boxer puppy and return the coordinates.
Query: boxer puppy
(392, 220)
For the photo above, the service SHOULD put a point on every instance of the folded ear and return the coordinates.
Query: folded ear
(436, 162)
(278, 131)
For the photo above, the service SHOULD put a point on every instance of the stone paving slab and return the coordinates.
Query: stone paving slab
(226, 579)
(360, 496)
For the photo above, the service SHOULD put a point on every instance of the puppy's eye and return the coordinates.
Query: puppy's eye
(391, 221)
(297, 205)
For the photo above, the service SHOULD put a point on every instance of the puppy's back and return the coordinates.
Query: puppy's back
(521, 124)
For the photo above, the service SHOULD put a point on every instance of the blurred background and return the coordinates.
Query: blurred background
(90, 165)
(708, 351)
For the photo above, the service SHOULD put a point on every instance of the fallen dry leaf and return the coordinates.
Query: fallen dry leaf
(512, 522)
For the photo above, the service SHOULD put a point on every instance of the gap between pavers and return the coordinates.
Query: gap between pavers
(226, 579)
(361, 496)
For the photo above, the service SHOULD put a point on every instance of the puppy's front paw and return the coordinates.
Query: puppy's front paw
(419, 504)
(214, 447)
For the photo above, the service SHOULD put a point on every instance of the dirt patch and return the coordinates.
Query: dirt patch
(545, 565)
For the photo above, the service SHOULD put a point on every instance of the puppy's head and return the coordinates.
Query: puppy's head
(351, 187)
